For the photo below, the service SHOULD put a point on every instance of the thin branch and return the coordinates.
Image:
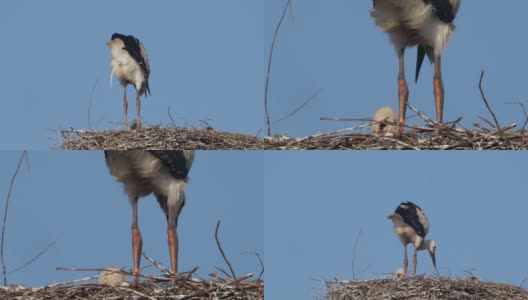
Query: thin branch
(298, 108)
(261, 263)
(288, 3)
(90, 103)
(157, 265)
(525, 114)
(170, 116)
(33, 259)
(487, 103)
(222, 251)
(22, 157)
(354, 255)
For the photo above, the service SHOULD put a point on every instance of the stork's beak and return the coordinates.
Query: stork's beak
(433, 258)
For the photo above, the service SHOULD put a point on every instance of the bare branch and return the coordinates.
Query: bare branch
(298, 108)
(222, 251)
(261, 263)
(288, 4)
(22, 157)
(354, 255)
(90, 103)
(487, 103)
(33, 259)
(525, 114)
(157, 265)
(170, 116)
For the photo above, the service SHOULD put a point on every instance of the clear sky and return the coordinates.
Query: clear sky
(335, 46)
(206, 59)
(70, 197)
(316, 204)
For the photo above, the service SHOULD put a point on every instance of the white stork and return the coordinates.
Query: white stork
(411, 226)
(163, 173)
(130, 64)
(426, 23)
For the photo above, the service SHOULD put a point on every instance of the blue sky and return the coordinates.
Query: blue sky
(316, 204)
(206, 58)
(209, 63)
(335, 46)
(70, 197)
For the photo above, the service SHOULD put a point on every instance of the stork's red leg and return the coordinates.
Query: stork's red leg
(405, 262)
(414, 262)
(173, 248)
(125, 106)
(403, 91)
(438, 91)
(137, 242)
(138, 109)
(174, 209)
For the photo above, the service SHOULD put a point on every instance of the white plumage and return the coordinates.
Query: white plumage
(411, 226)
(380, 124)
(425, 23)
(163, 173)
(130, 64)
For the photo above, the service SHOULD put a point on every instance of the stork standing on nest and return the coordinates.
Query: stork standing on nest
(163, 173)
(130, 64)
(426, 23)
(411, 226)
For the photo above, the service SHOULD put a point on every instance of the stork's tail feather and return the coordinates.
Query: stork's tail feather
(147, 88)
(112, 75)
(419, 60)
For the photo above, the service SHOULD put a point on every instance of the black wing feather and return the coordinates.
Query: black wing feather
(443, 9)
(409, 213)
(175, 161)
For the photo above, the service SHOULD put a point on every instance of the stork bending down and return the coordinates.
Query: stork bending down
(426, 23)
(411, 226)
(163, 173)
(130, 64)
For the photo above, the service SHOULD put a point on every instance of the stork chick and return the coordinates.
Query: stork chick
(411, 226)
(163, 173)
(425, 23)
(379, 124)
(130, 64)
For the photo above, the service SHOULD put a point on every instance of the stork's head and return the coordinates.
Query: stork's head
(430, 245)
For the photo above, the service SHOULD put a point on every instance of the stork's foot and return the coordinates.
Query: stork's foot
(136, 279)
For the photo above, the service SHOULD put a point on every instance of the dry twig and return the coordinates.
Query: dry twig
(11, 184)
(487, 103)
(275, 34)
(222, 251)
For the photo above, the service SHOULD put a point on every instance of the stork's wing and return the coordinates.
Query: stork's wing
(410, 213)
(134, 47)
(445, 10)
(178, 162)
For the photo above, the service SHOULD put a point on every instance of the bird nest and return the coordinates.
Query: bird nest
(157, 137)
(422, 288)
(420, 139)
(431, 136)
(192, 289)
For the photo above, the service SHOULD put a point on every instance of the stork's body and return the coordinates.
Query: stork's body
(163, 173)
(130, 64)
(425, 23)
(411, 226)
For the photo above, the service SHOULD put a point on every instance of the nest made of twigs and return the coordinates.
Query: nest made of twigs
(191, 289)
(418, 140)
(157, 137)
(422, 288)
